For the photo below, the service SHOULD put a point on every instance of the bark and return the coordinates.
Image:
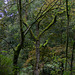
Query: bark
(15, 59)
(36, 72)
(61, 33)
(72, 58)
(62, 64)
(19, 46)
(37, 58)
(15, 64)
(62, 68)
(67, 40)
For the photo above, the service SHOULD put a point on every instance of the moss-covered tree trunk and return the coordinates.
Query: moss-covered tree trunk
(19, 46)
(37, 58)
(15, 59)
(67, 32)
(62, 64)
(72, 57)
(36, 72)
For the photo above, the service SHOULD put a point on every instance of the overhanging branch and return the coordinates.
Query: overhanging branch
(34, 37)
(8, 43)
(50, 25)
(42, 15)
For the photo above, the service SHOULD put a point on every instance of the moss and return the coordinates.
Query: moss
(18, 47)
(47, 27)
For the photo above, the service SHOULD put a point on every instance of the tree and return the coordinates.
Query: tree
(67, 41)
(72, 55)
(38, 28)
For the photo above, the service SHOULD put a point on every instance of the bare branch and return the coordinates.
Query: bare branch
(8, 43)
(50, 25)
(42, 15)
(30, 31)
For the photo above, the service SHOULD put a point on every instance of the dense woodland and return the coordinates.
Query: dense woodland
(37, 37)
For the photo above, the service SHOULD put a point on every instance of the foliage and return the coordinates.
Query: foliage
(52, 37)
(5, 65)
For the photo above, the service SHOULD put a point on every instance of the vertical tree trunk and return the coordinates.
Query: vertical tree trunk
(37, 58)
(36, 72)
(67, 41)
(15, 64)
(72, 58)
(61, 33)
(19, 46)
(62, 64)
(62, 68)
(15, 60)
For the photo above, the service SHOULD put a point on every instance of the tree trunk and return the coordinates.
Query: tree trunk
(36, 72)
(62, 68)
(15, 60)
(37, 58)
(62, 64)
(72, 58)
(19, 46)
(67, 40)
